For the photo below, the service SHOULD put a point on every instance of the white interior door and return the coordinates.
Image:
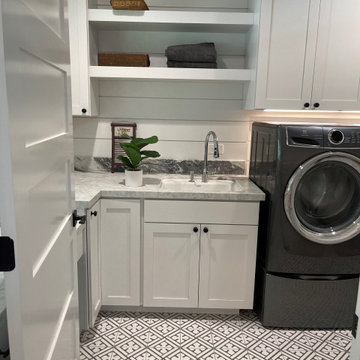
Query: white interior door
(36, 162)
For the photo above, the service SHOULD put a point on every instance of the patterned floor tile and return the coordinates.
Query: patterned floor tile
(156, 336)
(197, 347)
(330, 351)
(117, 337)
(340, 340)
(97, 346)
(226, 329)
(275, 340)
(297, 350)
(130, 348)
(231, 350)
(264, 350)
(164, 349)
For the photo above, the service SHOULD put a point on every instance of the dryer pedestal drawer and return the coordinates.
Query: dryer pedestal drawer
(291, 302)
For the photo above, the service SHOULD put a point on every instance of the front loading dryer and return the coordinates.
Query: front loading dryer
(309, 233)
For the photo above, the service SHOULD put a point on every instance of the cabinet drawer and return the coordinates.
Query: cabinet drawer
(216, 212)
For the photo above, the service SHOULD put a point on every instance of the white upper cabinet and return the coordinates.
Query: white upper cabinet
(337, 63)
(309, 55)
(84, 93)
(286, 53)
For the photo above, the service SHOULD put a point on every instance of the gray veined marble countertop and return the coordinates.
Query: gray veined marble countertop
(90, 187)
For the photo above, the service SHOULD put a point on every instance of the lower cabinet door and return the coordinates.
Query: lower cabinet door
(93, 265)
(171, 265)
(120, 252)
(227, 266)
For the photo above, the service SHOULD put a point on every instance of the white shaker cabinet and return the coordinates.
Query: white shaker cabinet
(93, 266)
(309, 55)
(171, 265)
(227, 266)
(199, 264)
(84, 91)
(337, 64)
(120, 251)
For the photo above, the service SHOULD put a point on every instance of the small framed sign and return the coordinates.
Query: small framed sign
(117, 132)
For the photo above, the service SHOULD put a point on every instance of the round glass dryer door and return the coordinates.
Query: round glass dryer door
(322, 198)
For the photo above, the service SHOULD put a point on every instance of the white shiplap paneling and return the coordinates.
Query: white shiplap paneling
(172, 89)
(175, 131)
(180, 113)
(155, 42)
(171, 109)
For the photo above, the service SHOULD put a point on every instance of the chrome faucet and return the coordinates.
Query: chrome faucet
(216, 153)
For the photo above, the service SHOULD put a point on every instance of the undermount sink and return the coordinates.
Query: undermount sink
(197, 185)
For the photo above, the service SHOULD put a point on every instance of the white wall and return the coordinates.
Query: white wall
(179, 113)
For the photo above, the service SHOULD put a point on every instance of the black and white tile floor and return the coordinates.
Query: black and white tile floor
(153, 336)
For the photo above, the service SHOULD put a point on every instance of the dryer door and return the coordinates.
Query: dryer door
(322, 198)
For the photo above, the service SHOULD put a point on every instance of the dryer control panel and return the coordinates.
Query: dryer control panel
(341, 137)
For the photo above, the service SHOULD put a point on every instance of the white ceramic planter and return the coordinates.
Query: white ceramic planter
(133, 178)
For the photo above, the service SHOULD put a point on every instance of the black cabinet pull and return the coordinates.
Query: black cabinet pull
(316, 105)
(83, 111)
(206, 230)
(195, 229)
(93, 213)
(306, 105)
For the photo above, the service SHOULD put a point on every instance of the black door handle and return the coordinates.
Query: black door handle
(78, 218)
(93, 213)
(195, 229)
(7, 254)
(206, 230)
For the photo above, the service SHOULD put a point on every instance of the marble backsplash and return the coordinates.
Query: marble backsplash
(162, 166)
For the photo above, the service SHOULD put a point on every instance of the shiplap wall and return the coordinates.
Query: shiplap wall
(180, 113)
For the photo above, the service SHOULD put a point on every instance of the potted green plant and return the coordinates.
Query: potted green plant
(134, 156)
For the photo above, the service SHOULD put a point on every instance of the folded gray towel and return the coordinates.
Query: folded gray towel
(187, 64)
(204, 52)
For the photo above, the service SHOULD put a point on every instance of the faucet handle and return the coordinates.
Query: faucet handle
(192, 175)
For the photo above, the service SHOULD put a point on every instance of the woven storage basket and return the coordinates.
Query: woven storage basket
(112, 59)
(129, 5)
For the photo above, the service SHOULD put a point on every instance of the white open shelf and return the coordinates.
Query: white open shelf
(158, 73)
(108, 19)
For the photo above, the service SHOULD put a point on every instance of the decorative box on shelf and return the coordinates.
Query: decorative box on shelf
(128, 5)
(114, 59)
(117, 132)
